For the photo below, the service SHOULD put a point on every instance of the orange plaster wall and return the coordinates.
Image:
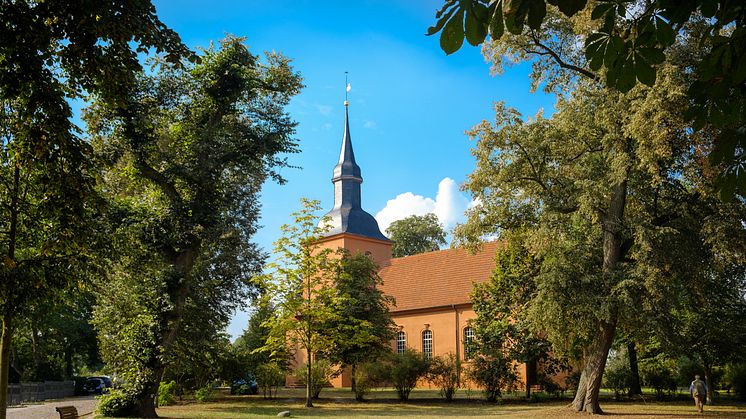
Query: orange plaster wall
(442, 322)
(379, 250)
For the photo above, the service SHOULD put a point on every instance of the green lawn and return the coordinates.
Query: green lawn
(425, 404)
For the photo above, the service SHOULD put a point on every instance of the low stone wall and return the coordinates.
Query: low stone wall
(35, 392)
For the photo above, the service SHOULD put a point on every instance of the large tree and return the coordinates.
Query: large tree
(503, 324)
(188, 151)
(51, 52)
(587, 185)
(416, 234)
(628, 40)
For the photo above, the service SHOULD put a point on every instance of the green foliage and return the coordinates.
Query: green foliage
(321, 372)
(116, 404)
(617, 375)
(493, 373)
(366, 376)
(187, 155)
(206, 393)
(269, 376)
(444, 374)
(658, 373)
(403, 370)
(416, 234)
(363, 329)
(624, 48)
(166, 393)
(248, 348)
(735, 375)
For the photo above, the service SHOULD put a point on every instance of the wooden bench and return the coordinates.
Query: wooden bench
(67, 412)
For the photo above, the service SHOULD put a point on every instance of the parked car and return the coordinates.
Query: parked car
(106, 379)
(94, 386)
(243, 386)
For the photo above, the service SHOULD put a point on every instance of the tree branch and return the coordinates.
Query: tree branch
(559, 60)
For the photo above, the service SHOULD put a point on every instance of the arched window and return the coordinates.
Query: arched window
(427, 343)
(401, 342)
(468, 342)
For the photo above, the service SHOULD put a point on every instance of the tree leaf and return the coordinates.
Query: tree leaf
(476, 30)
(432, 30)
(569, 7)
(453, 33)
(537, 11)
(644, 72)
(497, 26)
(601, 9)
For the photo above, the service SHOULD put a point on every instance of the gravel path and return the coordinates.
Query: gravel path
(85, 405)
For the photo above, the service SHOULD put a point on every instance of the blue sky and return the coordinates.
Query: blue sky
(410, 104)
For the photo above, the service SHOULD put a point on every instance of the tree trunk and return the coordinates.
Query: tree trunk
(586, 399)
(309, 379)
(178, 292)
(7, 332)
(352, 378)
(635, 388)
(5, 362)
(708, 382)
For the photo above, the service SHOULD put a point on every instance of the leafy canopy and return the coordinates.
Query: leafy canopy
(416, 234)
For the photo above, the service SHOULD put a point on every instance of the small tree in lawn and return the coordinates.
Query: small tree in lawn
(300, 281)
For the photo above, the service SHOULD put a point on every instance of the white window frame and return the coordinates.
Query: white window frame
(427, 343)
(401, 342)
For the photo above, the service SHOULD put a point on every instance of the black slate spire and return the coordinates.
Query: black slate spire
(348, 216)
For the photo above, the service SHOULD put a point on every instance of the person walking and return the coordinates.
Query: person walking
(698, 390)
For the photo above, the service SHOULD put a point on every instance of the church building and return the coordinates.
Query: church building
(431, 290)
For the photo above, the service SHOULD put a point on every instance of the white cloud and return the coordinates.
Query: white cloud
(327, 126)
(449, 206)
(369, 125)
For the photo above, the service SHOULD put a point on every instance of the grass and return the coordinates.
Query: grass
(425, 403)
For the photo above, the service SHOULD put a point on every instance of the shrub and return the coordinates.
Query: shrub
(658, 374)
(205, 393)
(736, 377)
(366, 376)
(405, 370)
(269, 376)
(166, 393)
(116, 404)
(444, 374)
(618, 376)
(493, 373)
(321, 371)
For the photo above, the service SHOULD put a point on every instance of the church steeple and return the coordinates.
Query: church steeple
(348, 216)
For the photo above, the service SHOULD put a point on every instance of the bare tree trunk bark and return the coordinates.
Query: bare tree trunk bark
(635, 387)
(586, 399)
(5, 362)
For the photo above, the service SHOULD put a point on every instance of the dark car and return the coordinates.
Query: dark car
(107, 380)
(94, 386)
(245, 386)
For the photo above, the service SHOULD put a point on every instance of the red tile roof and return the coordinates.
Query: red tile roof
(438, 278)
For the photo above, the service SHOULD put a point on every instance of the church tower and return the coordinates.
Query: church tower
(351, 227)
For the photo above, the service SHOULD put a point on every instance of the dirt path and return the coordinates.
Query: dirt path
(85, 405)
